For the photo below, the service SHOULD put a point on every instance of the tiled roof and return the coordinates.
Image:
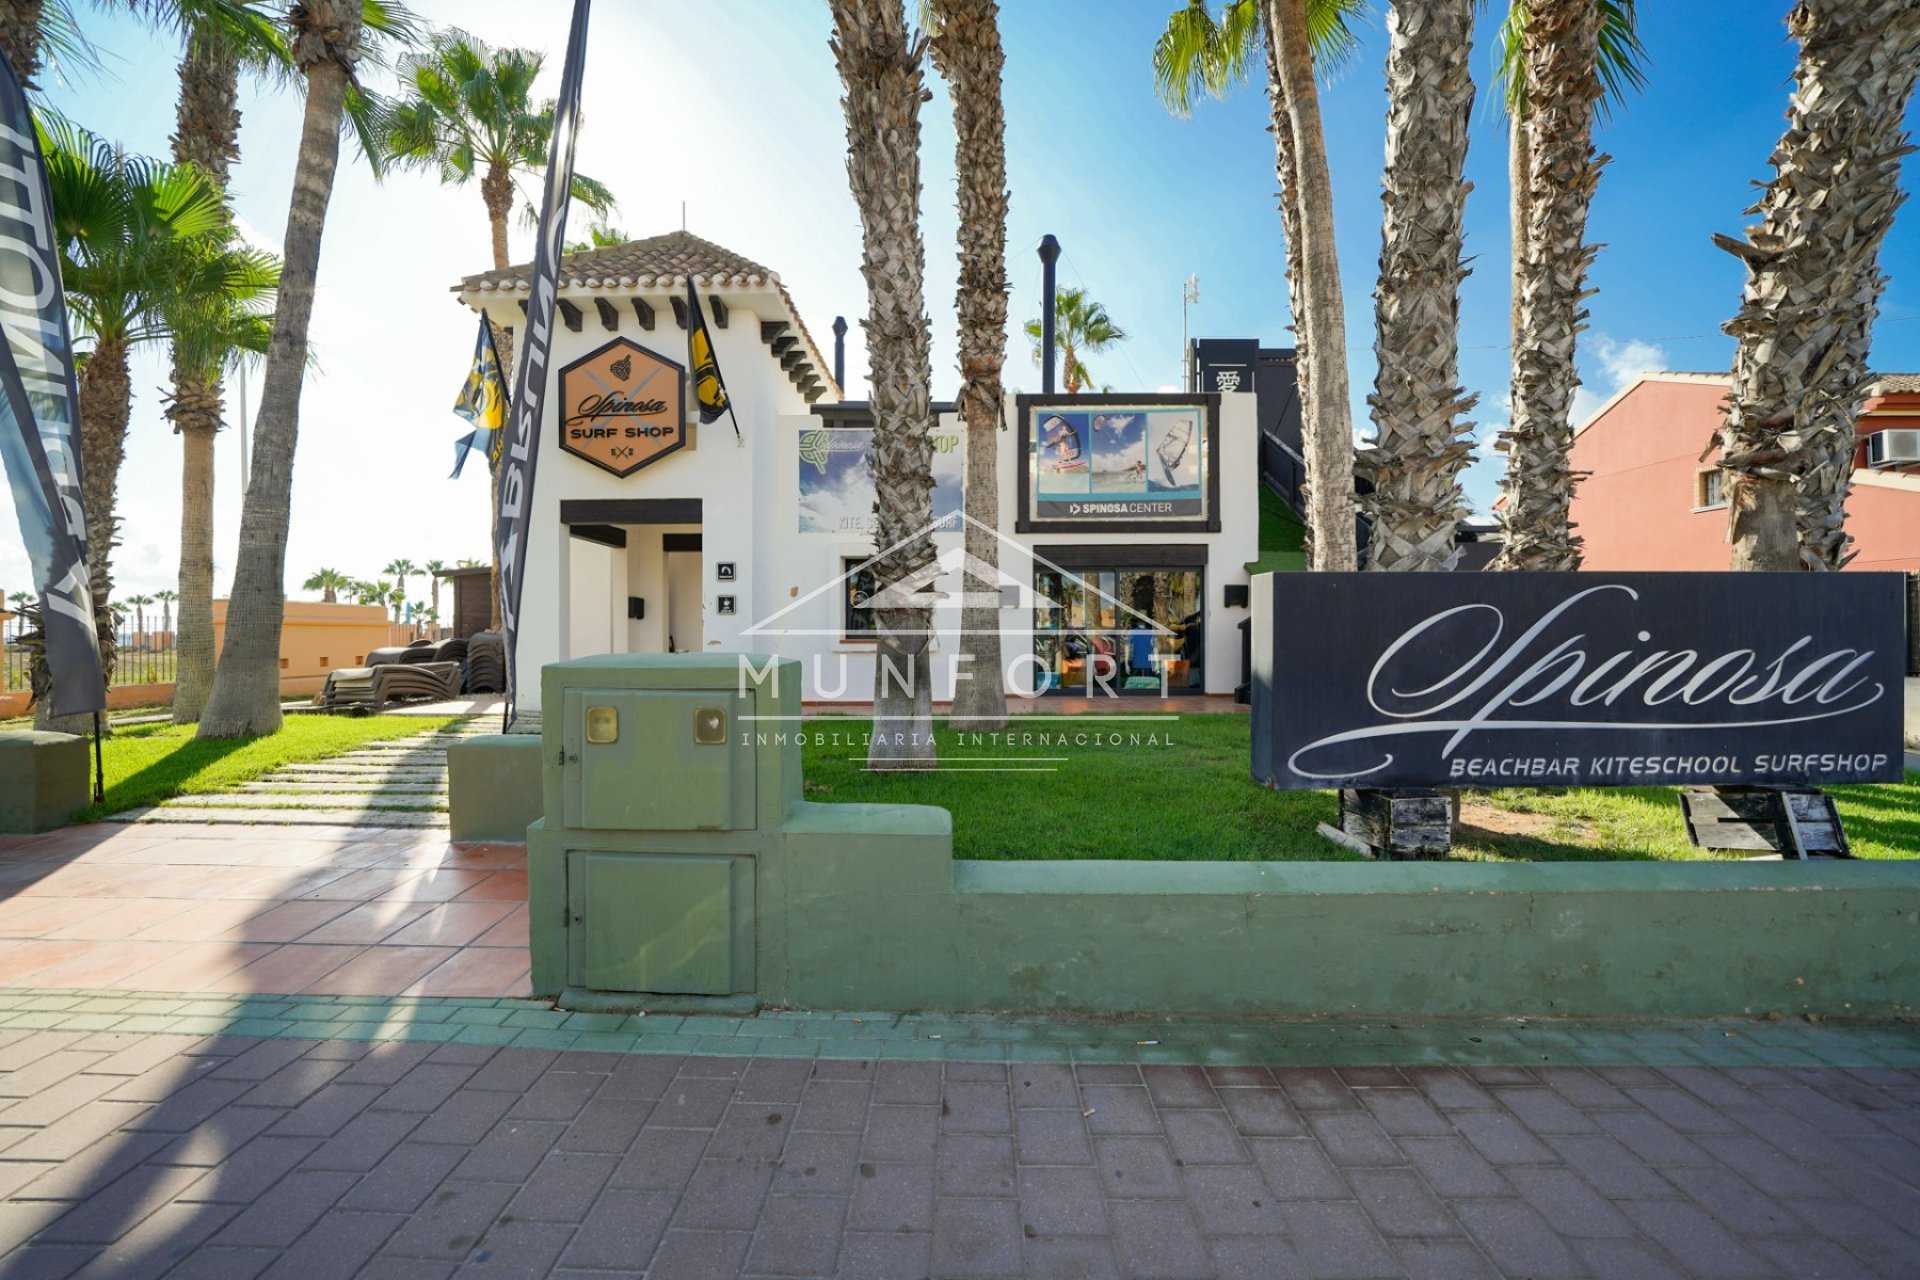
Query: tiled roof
(1896, 384)
(657, 260)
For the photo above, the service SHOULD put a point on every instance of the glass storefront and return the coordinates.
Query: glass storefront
(1119, 629)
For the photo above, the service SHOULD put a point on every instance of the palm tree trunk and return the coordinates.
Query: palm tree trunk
(106, 401)
(20, 38)
(880, 69)
(1328, 436)
(1286, 171)
(207, 131)
(1563, 83)
(1519, 163)
(967, 52)
(497, 190)
(1805, 323)
(246, 686)
(1417, 398)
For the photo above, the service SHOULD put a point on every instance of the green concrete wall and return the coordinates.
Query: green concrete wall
(45, 778)
(863, 907)
(493, 787)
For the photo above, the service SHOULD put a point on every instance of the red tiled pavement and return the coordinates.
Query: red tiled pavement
(283, 910)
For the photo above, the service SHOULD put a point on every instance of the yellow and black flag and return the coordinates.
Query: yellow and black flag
(709, 388)
(482, 402)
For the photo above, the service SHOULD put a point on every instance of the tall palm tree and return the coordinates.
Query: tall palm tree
(966, 49)
(219, 40)
(29, 29)
(401, 569)
(1079, 325)
(1813, 286)
(166, 599)
(1560, 54)
(325, 37)
(329, 583)
(1619, 67)
(140, 604)
(433, 569)
(466, 110)
(1296, 38)
(1420, 443)
(137, 237)
(880, 68)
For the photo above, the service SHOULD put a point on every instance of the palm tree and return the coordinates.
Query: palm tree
(137, 238)
(139, 604)
(1420, 443)
(881, 72)
(166, 599)
(1805, 322)
(601, 234)
(1297, 37)
(220, 39)
(966, 49)
(1560, 53)
(1556, 199)
(325, 36)
(1079, 324)
(397, 597)
(329, 583)
(401, 569)
(30, 27)
(433, 569)
(466, 110)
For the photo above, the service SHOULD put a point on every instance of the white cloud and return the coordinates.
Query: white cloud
(1618, 363)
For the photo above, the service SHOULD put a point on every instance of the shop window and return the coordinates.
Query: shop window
(1709, 489)
(1121, 629)
(857, 586)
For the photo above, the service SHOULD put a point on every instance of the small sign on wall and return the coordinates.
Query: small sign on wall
(726, 605)
(724, 571)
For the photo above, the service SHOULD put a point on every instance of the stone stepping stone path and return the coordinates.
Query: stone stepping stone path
(399, 783)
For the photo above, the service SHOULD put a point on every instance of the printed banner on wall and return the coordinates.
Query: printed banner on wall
(39, 420)
(522, 445)
(1119, 462)
(836, 479)
(1576, 679)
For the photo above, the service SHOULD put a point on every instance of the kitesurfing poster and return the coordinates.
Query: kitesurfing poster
(1133, 462)
(836, 479)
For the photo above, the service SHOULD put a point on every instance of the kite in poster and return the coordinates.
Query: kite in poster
(836, 479)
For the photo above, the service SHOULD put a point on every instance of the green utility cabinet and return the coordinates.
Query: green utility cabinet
(665, 781)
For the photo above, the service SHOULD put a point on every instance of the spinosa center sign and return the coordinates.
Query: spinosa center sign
(1576, 679)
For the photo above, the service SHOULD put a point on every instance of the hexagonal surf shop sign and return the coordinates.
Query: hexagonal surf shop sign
(623, 407)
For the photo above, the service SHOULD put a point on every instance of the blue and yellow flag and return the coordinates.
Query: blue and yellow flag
(709, 389)
(482, 401)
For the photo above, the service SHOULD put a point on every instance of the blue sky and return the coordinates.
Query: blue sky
(734, 109)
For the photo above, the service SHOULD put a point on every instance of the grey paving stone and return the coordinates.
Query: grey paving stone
(901, 1132)
(557, 1095)
(1233, 1200)
(1048, 1258)
(1133, 1167)
(645, 1077)
(514, 1070)
(1501, 1138)
(752, 1131)
(1626, 1260)
(404, 1178)
(1316, 1089)
(773, 1080)
(723, 1196)
(1203, 1137)
(112, 1211)
(1693, 1239)
(886, 1255)
(1769, 1168)
(606, 1126)
(451, 1221)
(837, 1106)
(1443, 1260)
(893, 1197)
(563, 1188)
(1158, 1240)
(621, 1233)
(1255, 1258)
(1093, 1073)
(1544, 1110)
(282, 1213)
(326, 1111)
(1400, 1203)
(911, 1083)
(976, 1238)
(975, 1108)
(974, 1164)
(1452, 1167)
(820, 1164)
(1297, 1169)
(1405, 1113)
(1171, 1086)
(1062, 1201)
(338, 1247)
(700, 1255)
(1118, 1108)
(798, 1236)
(1811, 1257)
(516, 1248)
(1569, 1205)
(241, 1177)
(661, 1159)
(1518, 1239)
(1734, 1202)
(386, 1063)
(691, 1102)
(1266, 1112)
(426, 1087)
(1865, 1234)
(1049, 1136)
(510, 1152)
(1353, 1138)
(1688, 1114)
(364, 1141)
(293, 1083)
(1584, 1089)
(1449, 1089)
(212, 1262)
(1336, 1241)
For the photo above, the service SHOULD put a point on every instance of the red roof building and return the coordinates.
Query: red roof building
(1652, 496)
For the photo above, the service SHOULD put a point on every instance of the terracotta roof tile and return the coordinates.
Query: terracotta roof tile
(655, 260)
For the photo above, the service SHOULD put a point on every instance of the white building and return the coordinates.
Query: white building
(653, 533)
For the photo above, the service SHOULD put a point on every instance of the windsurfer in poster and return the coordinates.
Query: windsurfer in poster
(1063, 439)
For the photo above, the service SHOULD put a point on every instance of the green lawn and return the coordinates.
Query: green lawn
(146, 764)
(1188, 796)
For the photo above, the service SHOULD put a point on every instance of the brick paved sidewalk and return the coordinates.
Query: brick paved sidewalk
(125, 1155)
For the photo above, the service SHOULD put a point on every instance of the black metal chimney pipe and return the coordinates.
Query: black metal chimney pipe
(1049, 254)
(840, 354)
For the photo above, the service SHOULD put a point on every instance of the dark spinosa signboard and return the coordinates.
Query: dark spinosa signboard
(1576, 679)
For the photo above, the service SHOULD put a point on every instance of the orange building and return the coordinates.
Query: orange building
(1652, 496)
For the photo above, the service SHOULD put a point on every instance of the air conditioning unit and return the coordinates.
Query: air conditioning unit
(1893, 448)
